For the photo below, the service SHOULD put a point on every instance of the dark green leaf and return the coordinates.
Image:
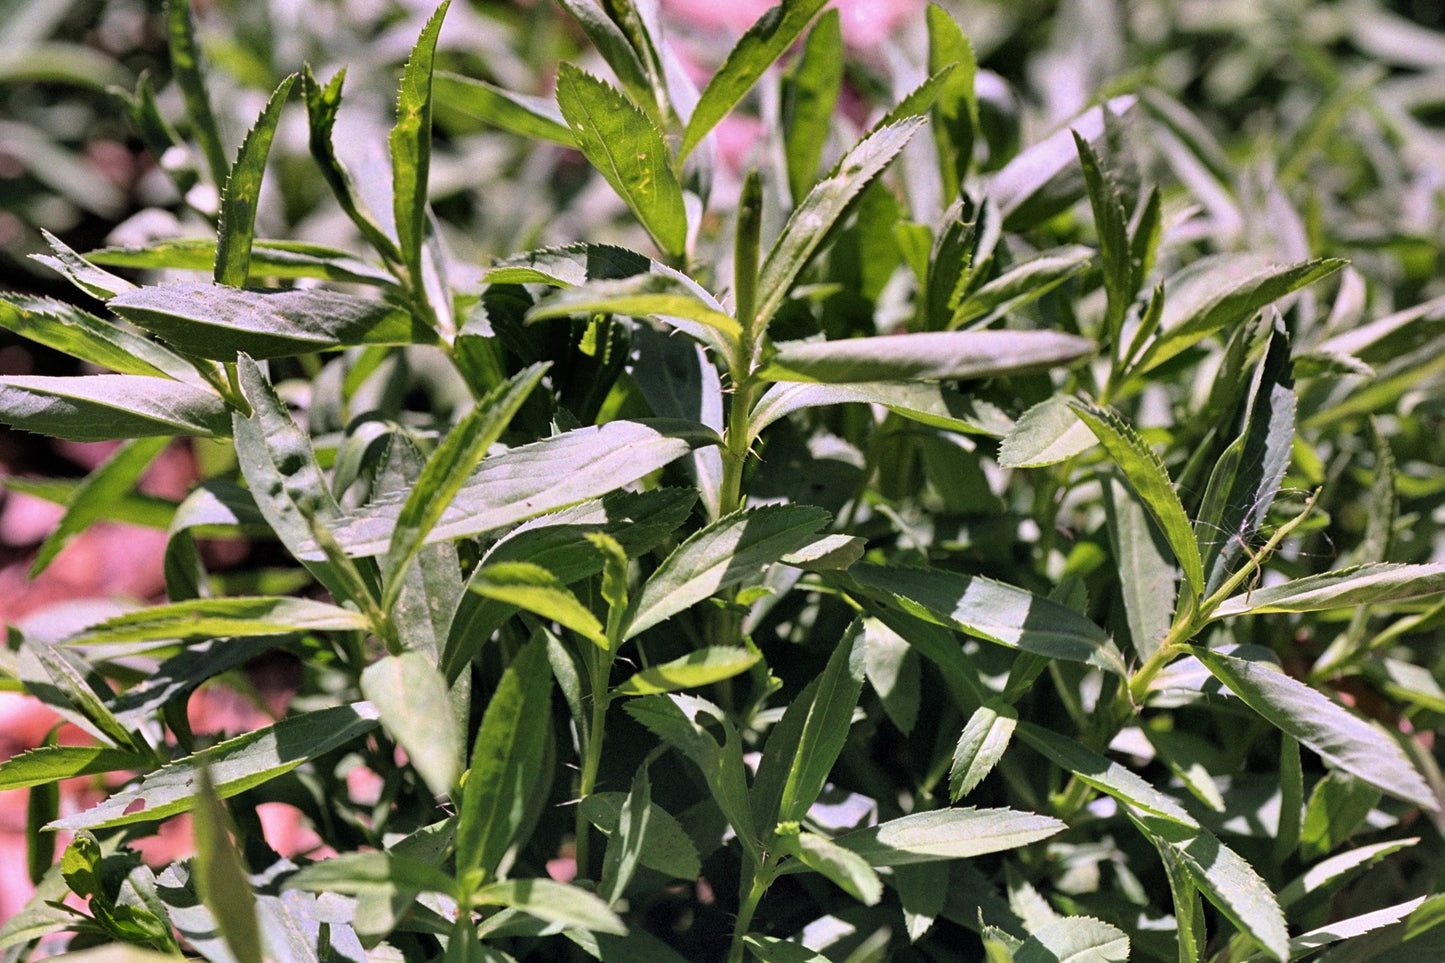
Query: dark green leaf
(1106, 776)
(236, 765)
(358, 873)
(1111, 224)
(48, 764)
(220, 876)
(218, 322)
(553, 902)
(763, 43)
(822, 729)
(1019, 286)
(98, 283)
(625, 145)
(534, 589)
(269, 258)
(1146, 578)
(624, 847)
(410, 143)
(955, 113)
(237, 226)
(666, 846)
(810, 93)
(105, 407)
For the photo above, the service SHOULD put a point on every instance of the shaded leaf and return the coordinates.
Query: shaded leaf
(666, 847)
(810, 93)
(220, 876)
(929, 403)
(553, 902)
(1105, 775)
(410, 143)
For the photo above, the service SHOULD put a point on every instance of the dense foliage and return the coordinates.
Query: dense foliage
(991, 514)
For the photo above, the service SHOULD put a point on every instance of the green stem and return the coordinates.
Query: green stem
(598, 666)
(762, 879)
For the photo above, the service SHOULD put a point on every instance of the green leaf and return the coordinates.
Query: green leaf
(1342, 739)
(534, 479)
(1021, 285)
(446, 472)
(929, 356)
(355, 874)
(1148, 477)
(201, 619)
(982, 745)
(1074, 939)
(614, 46)
(553, 902)
(929, 403)
(269, 258)
(322, 106)
(843, 866)
(410, 143)
(770, 949)
(825, 204)
(237, 226)
(216, 322)
(92, 280)
(810, 94)
(1106, 776)
(628, 150)
(955, 113)
(1225, 879)
(948, 834)
(698, 668)
(640, 296)
(133, 508)
(1329, 874)
(674, 719)
(110, 482)
(1111, 222)
(1046, 434)
(893, 671)
(105, 407)
(189, 73)
(506, 766)
(763, 43)
(989, 610)
(1146, 577)
(624, 847)
(48, 764)
(413, 700)
(730, 550)
(666, 846)
(1337, 807)
(1221, 291)
(76, 690)
(81, 335)
(1346, 588)
(532, 117)
(220, 876)
(1356, 926)
(236, 765)
(1188, 907)
(535, 589)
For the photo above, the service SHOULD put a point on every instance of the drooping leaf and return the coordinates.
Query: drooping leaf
(1103, 774)
(506, 765)
(237, 225)
(107, 484)
(763, 43)
(733, 548)
(1150, 480)
(553, 902)
(412, 699)
(531, 117)
(533, 588)
(989, 610)
(948, 834)
(236, 765)
(929, 356)
(211, 321)
(810, 92)
(985, 737)
(1074, 939)
(926, 402)
(535, 479)
(410, 143)
(698, 668)
(84, 336)
(1225, 879)
(844, 867)
(816, 214)
(1341, 738)
(221, 877)
(86, 276)
(281, 259)
(201, 619)
(48, 764)
(72, 687)
(106, 407)
(628, 150)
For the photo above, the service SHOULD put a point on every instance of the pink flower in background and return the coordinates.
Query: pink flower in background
(865, 22)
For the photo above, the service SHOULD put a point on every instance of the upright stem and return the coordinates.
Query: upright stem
(745, 293)
(592, 758)
(762, 879)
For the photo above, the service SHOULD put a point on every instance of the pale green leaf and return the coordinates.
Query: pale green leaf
(81, 335)
(48, 764)
(355, 874)
(640, 296)
(926, 402)
(269, 258)
(698, 668)
(985, 737)
(200, 619)
(105, 407)
(533, 588)
(221, 877)
(553, 902)
(1346, 588)
(1021, 285)
(948, 834)
(242, 193)
(1046, 434)
(843, 866)
(96, 282)
(532, 117)
(1074, 939)
(410, 143)
(413, 701)
(929, 356)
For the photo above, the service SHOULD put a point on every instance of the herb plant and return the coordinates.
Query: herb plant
(943, 550)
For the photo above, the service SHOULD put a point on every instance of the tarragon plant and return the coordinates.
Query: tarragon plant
(862, 568)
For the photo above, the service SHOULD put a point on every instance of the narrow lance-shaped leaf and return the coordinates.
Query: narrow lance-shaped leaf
(201, 619)
(1103, 774)
(1019, 286)
(955, 113)
(410, 143)
(412, 698)
(1346, 588)
(95, 281)
(929, 356)
(354, 874)
(985, 737)
(186, 68)
(221, 877)
(236, 765)
(48, 764)
(841, 865)
(1149, 479)
(1146, 579)
(1111, 224)
(532, 117)
(552, 902)
(639, 296)
(1341, 739)
(447, 470)
(666, 847)
(106, 407)
(948, 834)
(237, 226)
(108, 483)
(1046, 434)
(929, 403)
(989, 610)
(629, 151)
(506, 764)
(270, 258)
(69, 685)
(810, 92)
(535, 589)
(726, 552)
(1074, 939)
(816, 214)
(79, 334)
(624, 847)
(698, 668)
(614, 46)
(763, 43)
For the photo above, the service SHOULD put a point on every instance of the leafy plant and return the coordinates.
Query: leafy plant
(683, 575)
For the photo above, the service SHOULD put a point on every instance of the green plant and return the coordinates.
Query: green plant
(739, 506)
